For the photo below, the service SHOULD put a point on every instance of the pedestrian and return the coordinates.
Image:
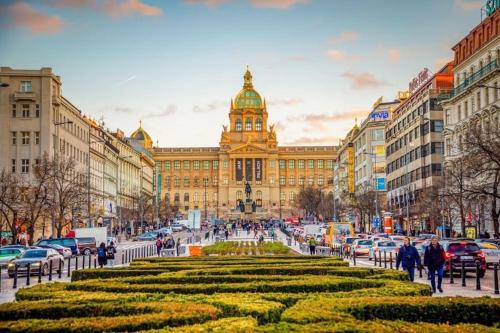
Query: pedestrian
(312, 246)
(408, 257)
(226, 233)
(178, 245)
(158, 246)
(101, 255)
(169, 243)
(434, 260)
(110, 253)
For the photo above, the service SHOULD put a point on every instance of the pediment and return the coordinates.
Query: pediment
(248, 148)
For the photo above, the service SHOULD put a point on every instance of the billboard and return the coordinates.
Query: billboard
(239, 169)
(380, 184)
(258, 169)
(249, 169)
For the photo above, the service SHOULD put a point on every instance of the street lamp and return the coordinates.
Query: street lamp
(374, 155)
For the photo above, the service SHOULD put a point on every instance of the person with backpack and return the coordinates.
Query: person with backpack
(408, 257)
(110, 253)
(434, 260)
(159, 245)
(169, 243)
(101, 255)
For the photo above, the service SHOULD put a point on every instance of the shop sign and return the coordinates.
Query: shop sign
(379, 116)
(419, 80)
(491, 6)
(258, 169)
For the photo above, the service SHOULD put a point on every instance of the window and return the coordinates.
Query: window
(25, 166)
(196, 165)
(258, 124)
(13, 166)
(258, 197)
(14, 111)
(378, 135)
(283, 198)
(177, 198)
(177, 181)
(320, 164)
(186, 181)
(291, 180)
(206, 165)
(25, 111)
(292, 196)
(310, 180)
(238, 125)
(271, 164)
(168, 165)
(185, 165)
(478, 100)
(437, 126)
(248, 124)
(13, 136)
(177, 165)
(291, 164)
(302, 164)
(466, 109)
(437, 148)
(25, 138)
(459, 112)
(215, 181)
(282, 164)
(168, 182)
(196, 181)
(282, 180)
(271, 180)
(239, 195)
(302, 180)
(225, 164)
(225, 180)
(329, 164)
(436, 169)
(37, 111)
(321, 180)
(310, 164)
(195, 197)
(215, 165)
(25, 86)
(37, 138)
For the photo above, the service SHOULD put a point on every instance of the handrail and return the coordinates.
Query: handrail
(483, 71)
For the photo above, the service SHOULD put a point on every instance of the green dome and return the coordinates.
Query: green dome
(248, 97)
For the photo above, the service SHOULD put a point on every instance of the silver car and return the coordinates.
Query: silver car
(383, 246)
(491, 251)
(9, 254)
(39, 260)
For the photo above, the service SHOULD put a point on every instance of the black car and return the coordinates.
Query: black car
(466, 253)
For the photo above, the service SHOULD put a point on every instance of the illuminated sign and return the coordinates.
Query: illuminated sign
(258, 169)
(418, 81)
(382, 115)
(491, 6)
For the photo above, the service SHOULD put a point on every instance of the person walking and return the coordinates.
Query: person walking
(178, 245)
(408, 258)
(110, 253)
(226, 233)
(159, 245)
(101, 255)
(312, 246)
(434, 260)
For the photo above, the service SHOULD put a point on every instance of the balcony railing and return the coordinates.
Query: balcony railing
(482, 72)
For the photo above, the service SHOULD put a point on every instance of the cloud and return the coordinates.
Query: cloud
(127, 80)
(363, 80)
(277, 4)
(72, 3)
(129, 7)
(120, 109)
(168, 111)
(469, 4)
(339, 55)
(208, 3)
(307, 140)
(320, 121)
(24, 16)
(286, 102)
(213, 106)
(394, 54)
(344, 37)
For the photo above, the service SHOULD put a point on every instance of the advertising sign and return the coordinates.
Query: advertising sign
(380, 184)
(379, 116)
(491, 6)
(258, 169)
(239, 169)
(248, 168)
(419, 80)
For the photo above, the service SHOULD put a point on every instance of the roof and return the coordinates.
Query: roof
(248, 97)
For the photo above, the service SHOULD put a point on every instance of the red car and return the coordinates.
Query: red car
(466, 252)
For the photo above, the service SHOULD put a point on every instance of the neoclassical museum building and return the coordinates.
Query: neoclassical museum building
(212, 179)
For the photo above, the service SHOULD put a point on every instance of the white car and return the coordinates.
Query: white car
(383, 246)
(491, 251)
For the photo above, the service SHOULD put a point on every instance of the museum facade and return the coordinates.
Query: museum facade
(212, 179)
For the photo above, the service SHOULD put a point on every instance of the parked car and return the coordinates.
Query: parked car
(464, 252)
(383, 246)
(111, 239)
(421, 249)
(491, 251)
(361, 247)
(69, 242)
(16, 246)
(63, 250)
(148, 236)
(177, 227)
(165, 231)
(35, 258)
(87, 245)
(348, 243)
(9, 254)
(428, 236)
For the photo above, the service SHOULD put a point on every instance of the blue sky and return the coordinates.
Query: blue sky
(175, 64)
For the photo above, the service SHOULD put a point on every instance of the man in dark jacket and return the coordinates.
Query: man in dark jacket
(434, 260)
(408, 257)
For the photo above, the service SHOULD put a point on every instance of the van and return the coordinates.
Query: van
(66, 242)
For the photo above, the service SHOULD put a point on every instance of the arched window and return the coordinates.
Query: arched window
(167, 197)
(258, 198)
(258, 124)
(186, 197)
(195, 197)
(239, 195)
(248, 124)
(177, 198)
(238, 125)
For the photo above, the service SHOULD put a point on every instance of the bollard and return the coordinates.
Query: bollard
(40, 272)
(380, 259)
(375, 258)
(451, 273)
(462, 273)
(69, 266)
(123, 256)
(495, 278)
(90, 261)
(129, 255)
(14, 285)
(95, 262)
(354, 257)
(390, 260)
(83, 261)
(420, 271)
(28, 274)
(385, 259)
(60, 268)
(50, 270)
(76, 263)
(478, 279)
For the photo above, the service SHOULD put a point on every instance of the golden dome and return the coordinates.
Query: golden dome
(248, 97)
(141, 135)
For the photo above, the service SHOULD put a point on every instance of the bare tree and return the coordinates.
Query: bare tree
(309, 199)
(456, 185)
(10, 200)
(364, 204)
(429, 204)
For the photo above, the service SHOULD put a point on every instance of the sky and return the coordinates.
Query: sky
(176, 64)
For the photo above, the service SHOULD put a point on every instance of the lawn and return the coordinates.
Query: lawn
(278, 293)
